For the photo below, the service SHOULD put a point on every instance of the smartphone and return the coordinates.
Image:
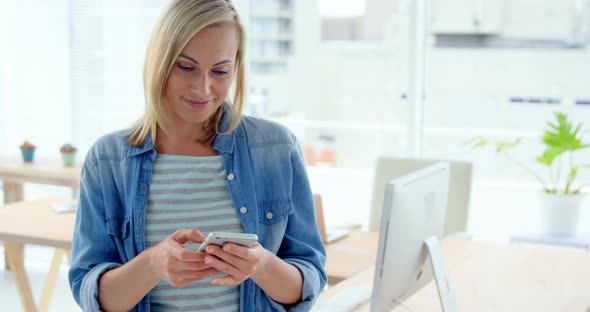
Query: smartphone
(220, 238)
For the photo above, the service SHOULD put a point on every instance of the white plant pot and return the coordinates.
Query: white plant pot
(559, 214)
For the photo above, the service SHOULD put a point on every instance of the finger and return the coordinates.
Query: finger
(186, 255)
(177, 274)
(190, 266)
(239, 251)
(177, 268)
(227, 257)
(199, 274)
(225, 267)
(184, 281)
(227, 280)
(183, 236)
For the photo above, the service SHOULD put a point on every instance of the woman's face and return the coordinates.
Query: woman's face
(202, 75)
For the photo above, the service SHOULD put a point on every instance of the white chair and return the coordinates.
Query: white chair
(389, 168)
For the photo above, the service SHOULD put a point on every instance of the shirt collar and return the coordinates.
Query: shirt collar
(224, 143)
(147, 146)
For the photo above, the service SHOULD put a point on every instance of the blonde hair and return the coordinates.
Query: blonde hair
(175, 28)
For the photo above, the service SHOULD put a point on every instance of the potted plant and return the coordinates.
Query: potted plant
(561, 197)
(68, 154)
(27, 150)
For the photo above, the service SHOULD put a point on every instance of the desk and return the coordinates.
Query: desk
(13, 173)
(350, 255)
(491, 277)
(35, 222)
(579, 241)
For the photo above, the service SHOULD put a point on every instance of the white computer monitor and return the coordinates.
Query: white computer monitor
(413, 213)
(409, 256)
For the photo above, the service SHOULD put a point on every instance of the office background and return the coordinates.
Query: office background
(336, 73)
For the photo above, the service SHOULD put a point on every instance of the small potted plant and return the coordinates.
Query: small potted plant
(561, 197)
(27, 150)
(68, 154)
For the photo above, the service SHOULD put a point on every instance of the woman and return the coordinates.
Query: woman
(192, 165)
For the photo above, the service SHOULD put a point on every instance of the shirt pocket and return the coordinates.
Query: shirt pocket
(118, 227)
(273, 211)
(273, 216)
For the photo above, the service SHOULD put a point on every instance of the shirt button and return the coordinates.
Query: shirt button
(143, 188)
(230, 176)
(243, 210)
(269, 215)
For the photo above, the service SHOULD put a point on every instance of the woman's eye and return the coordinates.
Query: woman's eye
(185, 68)
(220, 72)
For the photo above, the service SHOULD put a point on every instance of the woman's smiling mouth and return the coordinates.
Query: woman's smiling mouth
(197, 103)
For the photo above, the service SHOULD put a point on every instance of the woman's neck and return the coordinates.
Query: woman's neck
(182, 143)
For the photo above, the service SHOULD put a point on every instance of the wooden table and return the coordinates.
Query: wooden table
(490, 277)
(350, 255)
(35, 222)
(13, 173)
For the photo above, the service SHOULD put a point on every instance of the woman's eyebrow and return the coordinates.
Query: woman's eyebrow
(195, 61)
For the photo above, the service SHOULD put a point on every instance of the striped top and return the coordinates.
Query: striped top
(190, 192)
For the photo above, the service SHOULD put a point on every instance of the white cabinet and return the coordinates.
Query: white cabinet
(467, 16)
(546, 19)
(513, 21)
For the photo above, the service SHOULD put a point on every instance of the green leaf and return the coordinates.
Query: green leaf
(550, 154)
(562, 135)
(559, 137)
(570, 178)
(501, 146)
(504, 146)
(476, 142)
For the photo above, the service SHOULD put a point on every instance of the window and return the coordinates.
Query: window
(334, 72)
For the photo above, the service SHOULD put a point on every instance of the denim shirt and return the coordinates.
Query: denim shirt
(265, 174)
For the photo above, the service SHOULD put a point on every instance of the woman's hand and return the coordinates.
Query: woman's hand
(178, 265)
(238, 262)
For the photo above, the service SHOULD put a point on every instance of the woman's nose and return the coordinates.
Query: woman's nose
(200, 85)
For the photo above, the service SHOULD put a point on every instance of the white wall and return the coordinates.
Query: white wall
(108, 50)
(35, 96)
(351, 91)
(470, 89)
(74, 74)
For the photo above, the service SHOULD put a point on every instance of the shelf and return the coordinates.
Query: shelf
(339, 125)
(271, 14)
(400, 129)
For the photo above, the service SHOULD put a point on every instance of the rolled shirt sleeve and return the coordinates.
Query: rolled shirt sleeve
(89, 288)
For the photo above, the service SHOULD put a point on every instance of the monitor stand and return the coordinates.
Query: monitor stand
(441, 277)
